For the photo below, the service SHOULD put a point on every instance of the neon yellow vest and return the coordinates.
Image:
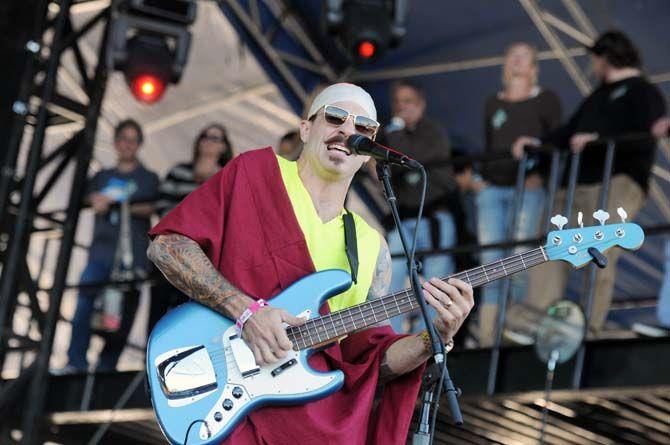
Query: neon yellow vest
(325, 241)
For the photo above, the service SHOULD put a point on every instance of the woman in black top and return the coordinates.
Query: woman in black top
(211, 151)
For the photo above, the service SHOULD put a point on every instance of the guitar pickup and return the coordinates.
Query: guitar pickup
(283, 367)
(244, 357)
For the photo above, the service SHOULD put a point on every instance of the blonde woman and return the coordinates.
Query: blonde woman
(522, 107)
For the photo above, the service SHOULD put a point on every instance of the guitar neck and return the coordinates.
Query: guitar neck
(328, 328)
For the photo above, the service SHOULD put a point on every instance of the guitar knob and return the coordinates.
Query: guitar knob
(227, 404)
(218, 416)
(237, 392)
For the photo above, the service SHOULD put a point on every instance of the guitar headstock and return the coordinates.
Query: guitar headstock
(572, 245)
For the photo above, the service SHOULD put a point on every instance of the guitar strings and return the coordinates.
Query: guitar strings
(495, 271)
(391, 303)
(476, 277)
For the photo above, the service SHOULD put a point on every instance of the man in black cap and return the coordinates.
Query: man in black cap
(625, 103)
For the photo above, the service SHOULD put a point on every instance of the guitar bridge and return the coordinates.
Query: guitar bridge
(186, 372)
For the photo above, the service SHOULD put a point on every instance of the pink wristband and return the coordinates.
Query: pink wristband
(251, 310)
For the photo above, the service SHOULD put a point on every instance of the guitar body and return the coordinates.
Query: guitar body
(204, 378)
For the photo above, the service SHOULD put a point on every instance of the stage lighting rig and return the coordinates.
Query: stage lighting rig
(150, 43)
(366, 29)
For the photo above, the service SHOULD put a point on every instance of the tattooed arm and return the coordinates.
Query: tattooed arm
(381, 278)
(186, 266)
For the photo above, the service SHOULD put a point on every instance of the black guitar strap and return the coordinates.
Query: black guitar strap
(351, 244)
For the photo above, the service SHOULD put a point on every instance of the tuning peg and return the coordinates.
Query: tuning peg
(559, 221)
(601, 216)
(622, 214)
(580, 219)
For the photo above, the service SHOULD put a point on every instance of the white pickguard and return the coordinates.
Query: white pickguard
(294, 380)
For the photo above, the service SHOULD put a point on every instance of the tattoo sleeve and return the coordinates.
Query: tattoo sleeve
(186, 266)
(381, 280)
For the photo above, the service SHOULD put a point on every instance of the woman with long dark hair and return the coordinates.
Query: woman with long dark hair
(211, 152)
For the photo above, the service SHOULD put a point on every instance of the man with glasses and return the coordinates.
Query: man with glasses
(127, 181)
(262, 223)
(425, 140)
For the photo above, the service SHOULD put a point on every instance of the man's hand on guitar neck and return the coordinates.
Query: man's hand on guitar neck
(186, 266)
(453, 301)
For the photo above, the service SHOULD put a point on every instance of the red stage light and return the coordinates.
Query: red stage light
(366, 49)
(147, 88)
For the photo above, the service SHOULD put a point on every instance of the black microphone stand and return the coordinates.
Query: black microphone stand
(430, 378)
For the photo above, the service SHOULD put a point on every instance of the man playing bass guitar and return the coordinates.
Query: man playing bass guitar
(262, 223)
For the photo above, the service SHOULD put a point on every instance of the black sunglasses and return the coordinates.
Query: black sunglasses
(211, 138)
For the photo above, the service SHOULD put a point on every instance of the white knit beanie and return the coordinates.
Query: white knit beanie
(344, 92)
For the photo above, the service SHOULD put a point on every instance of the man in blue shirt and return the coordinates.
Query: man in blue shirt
(128, 181)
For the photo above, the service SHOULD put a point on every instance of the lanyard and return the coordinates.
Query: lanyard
(123, 256)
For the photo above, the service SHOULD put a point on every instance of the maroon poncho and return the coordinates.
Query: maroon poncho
(243, 220)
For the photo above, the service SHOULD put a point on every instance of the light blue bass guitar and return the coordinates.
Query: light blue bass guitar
(204, 380)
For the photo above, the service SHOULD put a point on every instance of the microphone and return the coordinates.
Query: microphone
(361, 145)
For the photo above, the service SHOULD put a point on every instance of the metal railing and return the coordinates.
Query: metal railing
(555, 178)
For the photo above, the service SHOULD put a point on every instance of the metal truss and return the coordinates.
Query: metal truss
(553, 29)
(448, 67)
(247, 16)
(40, 108)
(544, 21)
(288, 21)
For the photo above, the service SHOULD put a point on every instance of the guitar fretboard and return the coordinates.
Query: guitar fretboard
(327, 328)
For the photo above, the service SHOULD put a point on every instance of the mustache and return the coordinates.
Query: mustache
(335, 139)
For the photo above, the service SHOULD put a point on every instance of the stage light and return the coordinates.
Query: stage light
(150, 44)
(366, 49)
(148, 67)
(147, 88)
(366, 29)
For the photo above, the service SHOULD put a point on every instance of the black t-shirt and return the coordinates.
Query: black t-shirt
(630, 105)
(505, 121)
(428, 144)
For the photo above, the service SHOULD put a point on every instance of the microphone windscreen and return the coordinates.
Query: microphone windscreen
(356, 142)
